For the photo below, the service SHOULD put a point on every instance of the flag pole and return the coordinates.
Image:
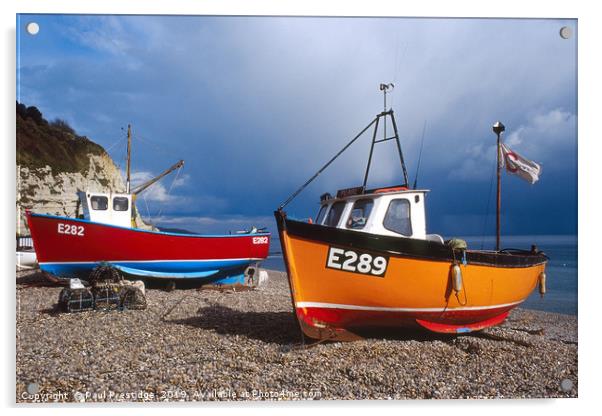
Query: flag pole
(498, 128)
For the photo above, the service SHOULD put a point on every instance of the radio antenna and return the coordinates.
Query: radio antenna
(419, 155)
(384, 88)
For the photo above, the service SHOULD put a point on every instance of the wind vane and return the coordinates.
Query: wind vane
(384, 88)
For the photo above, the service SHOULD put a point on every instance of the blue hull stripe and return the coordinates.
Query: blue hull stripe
(187, 269)
(180, 275)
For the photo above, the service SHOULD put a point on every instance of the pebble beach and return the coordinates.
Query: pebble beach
(205, 345)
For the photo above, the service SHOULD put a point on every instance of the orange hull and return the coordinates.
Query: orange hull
(332, 298)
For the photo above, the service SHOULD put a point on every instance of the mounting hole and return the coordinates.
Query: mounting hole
(565, 32)
(33, 388)
(32, 28)
(566, 384)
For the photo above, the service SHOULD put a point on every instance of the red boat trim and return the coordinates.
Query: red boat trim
(394, 309)
(151, 261)
(464, 328)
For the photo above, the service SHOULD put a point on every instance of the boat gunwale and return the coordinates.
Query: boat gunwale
(58, 217)
(412, 248)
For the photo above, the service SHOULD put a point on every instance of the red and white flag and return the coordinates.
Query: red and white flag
(520, 166)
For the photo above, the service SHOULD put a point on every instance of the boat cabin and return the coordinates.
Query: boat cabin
(107, 208)
(396, 211)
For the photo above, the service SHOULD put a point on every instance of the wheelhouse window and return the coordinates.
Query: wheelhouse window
(120, 203)
(334, 215)
(359, 214)
(321, 214)
(99, 203)
(397, 218)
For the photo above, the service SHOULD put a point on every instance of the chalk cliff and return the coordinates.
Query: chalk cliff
(54, 163)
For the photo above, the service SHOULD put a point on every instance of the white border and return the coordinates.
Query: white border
(435, 8)
(589, 148)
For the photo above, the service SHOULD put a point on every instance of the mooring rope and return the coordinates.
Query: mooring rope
(170, 188)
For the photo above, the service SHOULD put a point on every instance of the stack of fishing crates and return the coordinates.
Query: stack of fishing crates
(105, 282)
(108, 291)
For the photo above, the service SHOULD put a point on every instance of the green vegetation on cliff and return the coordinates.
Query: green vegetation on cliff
(55, 143)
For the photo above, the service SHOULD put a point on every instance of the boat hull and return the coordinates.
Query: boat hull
(402, 282)
(68, 248)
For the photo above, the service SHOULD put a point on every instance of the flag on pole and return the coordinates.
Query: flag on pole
(520, 166)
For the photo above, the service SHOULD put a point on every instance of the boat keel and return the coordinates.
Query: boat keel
(463, 328)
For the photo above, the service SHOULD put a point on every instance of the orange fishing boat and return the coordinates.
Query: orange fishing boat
(367, 261)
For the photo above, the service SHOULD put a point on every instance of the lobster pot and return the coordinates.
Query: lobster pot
(106, 296)
(76, 300)
(132, 297)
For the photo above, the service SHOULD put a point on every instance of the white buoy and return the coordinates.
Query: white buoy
(457, 282)
(263, 278)
(542, 284)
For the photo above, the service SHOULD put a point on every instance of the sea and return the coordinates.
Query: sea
(561, 270)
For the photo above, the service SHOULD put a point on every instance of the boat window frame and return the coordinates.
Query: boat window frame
(409, 204)
(323, 210)
(122, 199)
(337, 203)
(371, 201)
(93, 200)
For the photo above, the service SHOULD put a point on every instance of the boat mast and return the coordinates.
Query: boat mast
(374, 122)
(129, 160)
(384, 88)
(498, 129)
(384, 114)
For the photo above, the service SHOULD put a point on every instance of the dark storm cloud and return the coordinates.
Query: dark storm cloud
(256, 105)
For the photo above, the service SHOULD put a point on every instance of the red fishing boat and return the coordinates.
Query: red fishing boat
(105, 233)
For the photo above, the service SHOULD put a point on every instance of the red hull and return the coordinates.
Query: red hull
(100, 241)
(346, 320)
(65, 244)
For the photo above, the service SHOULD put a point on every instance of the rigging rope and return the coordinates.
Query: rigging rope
(419, 155)
(150, 218)
(170, 188)
(166, 149)
(291, 197)
(398, 59)
(116, 142)
(107, 150)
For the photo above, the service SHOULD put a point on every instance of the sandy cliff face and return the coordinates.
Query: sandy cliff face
(42, 191)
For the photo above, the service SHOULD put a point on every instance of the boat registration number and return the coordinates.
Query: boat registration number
(260, 240)
(70, 229)
(356, 262)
